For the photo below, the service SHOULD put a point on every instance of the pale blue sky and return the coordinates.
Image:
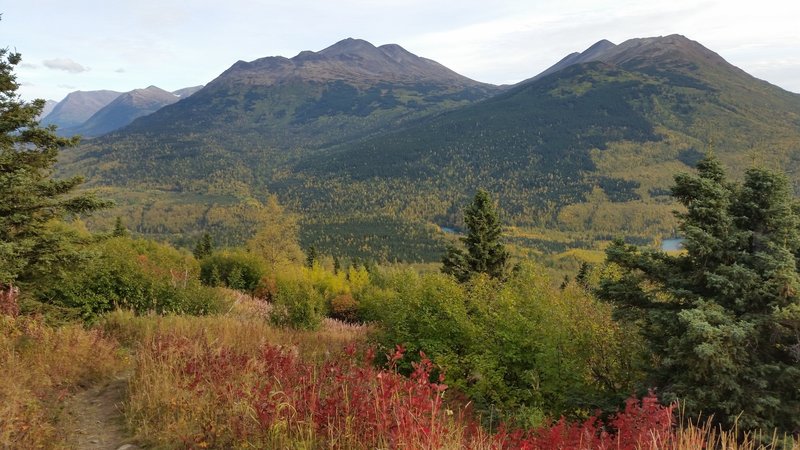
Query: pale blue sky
(123, 45)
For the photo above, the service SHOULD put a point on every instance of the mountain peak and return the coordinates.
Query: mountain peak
(77, 107)
(672, 49)
(348, 46)
(598, 47)
(355, 61)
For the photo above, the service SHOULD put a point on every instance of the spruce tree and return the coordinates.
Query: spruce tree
(119, 228)
(723, 318)
(311, 256)
(32, 249)
(485, 253)
(204, 246)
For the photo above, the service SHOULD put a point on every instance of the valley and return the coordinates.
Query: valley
(368, 144)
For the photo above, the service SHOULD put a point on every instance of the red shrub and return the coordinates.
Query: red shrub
(348, 403)
(8, 300)
(640, 425)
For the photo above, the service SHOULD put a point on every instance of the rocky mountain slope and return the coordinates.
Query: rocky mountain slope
(124, 109)
(77, 107)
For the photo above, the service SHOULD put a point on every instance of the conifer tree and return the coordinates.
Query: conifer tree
(484, 251)
(31, 248)
(311, 256)
(204, 246)
(337, 266)
(119, 229)
(723, 318)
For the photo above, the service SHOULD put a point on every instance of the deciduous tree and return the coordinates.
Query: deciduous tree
(275, 239)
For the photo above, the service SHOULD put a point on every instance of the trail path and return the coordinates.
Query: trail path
(95, 420)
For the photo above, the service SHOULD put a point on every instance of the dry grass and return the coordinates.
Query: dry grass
(166, 414)
(41, 366)
(705, 435)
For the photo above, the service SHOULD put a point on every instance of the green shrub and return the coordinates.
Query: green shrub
(138, 275)
(521, 350)
(234, 269)
(297, 304)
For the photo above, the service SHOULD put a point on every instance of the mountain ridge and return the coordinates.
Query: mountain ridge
(590, 146)
(124, 109)
(353, 60)
(77, 107)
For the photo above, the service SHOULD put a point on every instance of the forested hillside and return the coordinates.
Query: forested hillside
(379, 147)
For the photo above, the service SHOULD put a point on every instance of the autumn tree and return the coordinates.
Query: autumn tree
(276, 237)
(484, 252)
(722, 319)
(33, 247)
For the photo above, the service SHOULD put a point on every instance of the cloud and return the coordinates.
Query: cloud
(64, 64)
(120, 70)
(67, 86)
(29, 66)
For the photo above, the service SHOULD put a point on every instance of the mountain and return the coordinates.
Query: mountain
(376, 146)
(353, 61)
(592, 145)
(349, 89)
(185, 92)
(258, 115)
(77, 107)
(48, 108)
(590, 54)
(124, 109)
(235, 137)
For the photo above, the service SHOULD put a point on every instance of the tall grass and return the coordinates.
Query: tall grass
(40, 367)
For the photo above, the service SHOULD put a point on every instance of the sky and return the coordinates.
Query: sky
(70, 45)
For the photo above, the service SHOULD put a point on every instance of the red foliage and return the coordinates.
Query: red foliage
(8, 300)
(341, 398)
(644, 424)
(348, 401)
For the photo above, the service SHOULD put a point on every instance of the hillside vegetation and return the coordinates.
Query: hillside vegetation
(370, 151)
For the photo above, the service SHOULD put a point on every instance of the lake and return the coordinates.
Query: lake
(672, 245)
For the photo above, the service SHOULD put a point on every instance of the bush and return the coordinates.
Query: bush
(344, 307)
(234, 269)
(297, 304)
(138, 275)
(521, 350)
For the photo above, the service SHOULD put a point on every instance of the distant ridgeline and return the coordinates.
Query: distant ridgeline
(375, 146)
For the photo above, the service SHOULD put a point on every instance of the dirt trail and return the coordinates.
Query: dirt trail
(94, 417)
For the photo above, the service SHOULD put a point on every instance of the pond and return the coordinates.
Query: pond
(672, 245)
